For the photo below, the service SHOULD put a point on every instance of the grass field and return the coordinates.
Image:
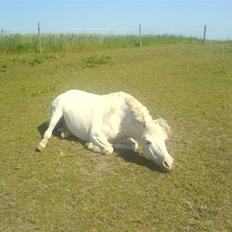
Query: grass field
(68, 188)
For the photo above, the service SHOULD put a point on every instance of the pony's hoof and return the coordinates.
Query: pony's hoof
(39, 148)
(62, 135)
(89, 145)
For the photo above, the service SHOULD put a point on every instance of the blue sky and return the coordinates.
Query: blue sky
(179, 17)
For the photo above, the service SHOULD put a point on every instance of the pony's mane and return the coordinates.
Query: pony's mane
(139, 111)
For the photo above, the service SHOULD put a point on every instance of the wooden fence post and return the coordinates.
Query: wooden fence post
(39, 38)
(204, 35)
(140, 35)
(2, 32)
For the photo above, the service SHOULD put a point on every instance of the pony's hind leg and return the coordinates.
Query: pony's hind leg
(56, 116)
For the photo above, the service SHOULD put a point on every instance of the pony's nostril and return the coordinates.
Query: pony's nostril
(166, 164)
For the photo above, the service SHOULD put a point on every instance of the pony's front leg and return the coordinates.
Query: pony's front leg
(92, 147)
(126, 144)
(100, 144)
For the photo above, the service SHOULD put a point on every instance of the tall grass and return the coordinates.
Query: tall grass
(70, 42)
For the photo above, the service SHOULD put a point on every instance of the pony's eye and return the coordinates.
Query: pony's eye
(147, 142)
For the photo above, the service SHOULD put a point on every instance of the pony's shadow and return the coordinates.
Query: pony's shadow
(43, 127)
(137, 158)
(128, 156)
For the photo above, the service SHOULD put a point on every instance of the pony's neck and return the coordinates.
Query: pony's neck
(135, 117)
(133, 128)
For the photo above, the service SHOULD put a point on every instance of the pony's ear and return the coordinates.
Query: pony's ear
(163, 124)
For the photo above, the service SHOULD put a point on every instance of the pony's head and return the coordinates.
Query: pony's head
(153, 140)
(151, 135)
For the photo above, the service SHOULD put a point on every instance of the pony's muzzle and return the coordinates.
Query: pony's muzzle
(168, 165)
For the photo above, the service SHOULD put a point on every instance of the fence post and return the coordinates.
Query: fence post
(39, 38)
(2, 32)
(204, 35)
(140, 35)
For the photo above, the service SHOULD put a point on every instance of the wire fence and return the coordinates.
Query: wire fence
(179, 30)
(41, 38)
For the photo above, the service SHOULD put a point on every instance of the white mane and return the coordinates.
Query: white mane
(139, 111)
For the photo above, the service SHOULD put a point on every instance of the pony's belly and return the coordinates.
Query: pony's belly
(78, 125)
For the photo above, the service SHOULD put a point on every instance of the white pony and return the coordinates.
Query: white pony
(116, 120)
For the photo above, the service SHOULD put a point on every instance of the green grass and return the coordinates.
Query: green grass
(68, 188)
(80, 42)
